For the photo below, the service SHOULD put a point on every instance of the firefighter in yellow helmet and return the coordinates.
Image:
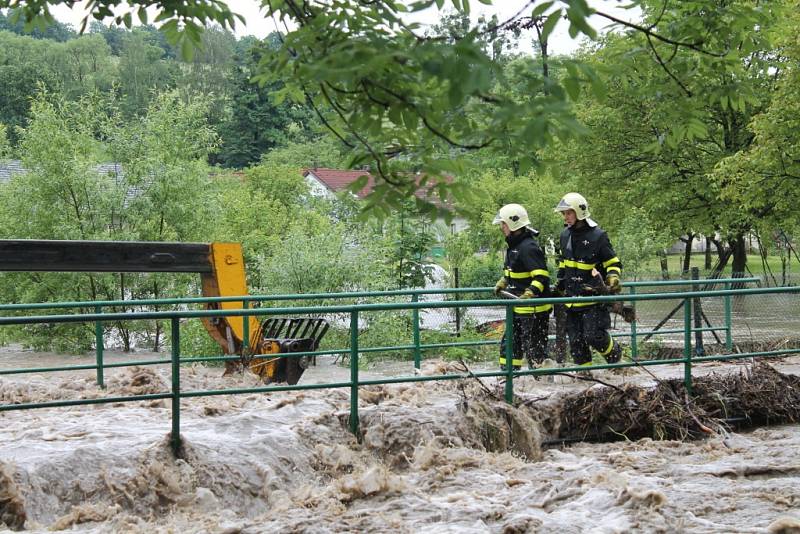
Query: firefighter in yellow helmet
(524, 275)
(588, 265)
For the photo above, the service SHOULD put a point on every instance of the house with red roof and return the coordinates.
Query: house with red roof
(327, 183)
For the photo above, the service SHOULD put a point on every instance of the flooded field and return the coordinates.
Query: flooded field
(285, 462)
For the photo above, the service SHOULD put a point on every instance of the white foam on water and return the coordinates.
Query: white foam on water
(432, 458)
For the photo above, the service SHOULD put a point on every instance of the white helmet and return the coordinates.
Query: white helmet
(575, 202)
(513, 215)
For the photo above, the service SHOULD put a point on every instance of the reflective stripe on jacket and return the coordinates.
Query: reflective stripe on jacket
(583, 250)
(525, 267)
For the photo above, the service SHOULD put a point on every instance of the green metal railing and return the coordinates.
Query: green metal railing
(416, 345)
(354, 311)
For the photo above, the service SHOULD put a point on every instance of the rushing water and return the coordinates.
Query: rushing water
(285, 462)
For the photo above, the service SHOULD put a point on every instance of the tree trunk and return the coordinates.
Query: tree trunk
(708, 255)
(785, 250)
(723, 255)
(687, 253)
(739, 259)
(662, 257)
(157, 337)
(783, 270)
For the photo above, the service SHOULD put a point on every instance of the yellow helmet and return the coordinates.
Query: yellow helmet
(513, 215)
(575, 202)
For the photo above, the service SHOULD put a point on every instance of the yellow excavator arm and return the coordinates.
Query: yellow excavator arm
(222, 272)
(227, 279)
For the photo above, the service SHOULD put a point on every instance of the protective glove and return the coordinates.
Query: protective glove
(588, 290)
(561, 286)
(500, 285)
(527, 294)
(613, 284)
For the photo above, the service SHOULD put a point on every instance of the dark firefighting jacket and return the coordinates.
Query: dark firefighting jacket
(525, 267)
(583, 250)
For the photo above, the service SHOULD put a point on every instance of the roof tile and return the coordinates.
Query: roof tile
(337, 180)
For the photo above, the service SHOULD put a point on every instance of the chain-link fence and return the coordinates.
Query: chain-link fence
(720, 325)
(740, 323)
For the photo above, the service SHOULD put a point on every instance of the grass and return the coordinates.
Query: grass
(755, 266)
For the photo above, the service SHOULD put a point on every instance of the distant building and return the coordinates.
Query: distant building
(327, 183)
(699, 244)
(9, 168)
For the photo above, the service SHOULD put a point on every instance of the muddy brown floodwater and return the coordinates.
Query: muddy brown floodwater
(285, 462)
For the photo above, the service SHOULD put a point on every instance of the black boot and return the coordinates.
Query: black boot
(615, 355)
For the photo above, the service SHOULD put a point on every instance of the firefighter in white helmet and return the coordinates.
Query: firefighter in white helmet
(588, 266)
(525, 275)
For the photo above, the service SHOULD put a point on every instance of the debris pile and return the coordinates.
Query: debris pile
(758, 395)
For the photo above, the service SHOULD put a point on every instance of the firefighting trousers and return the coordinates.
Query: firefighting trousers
(587, 328)
(530, 339)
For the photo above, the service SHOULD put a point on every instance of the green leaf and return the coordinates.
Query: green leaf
(525, 164)
(165, 15)
(410, 118)
(599, 89)
(572, 86)
(358, 184)
(578, 23)
(696, 129)
(187, 48)
(396, 115)
(573, 31)
(550, 24)
(455, 94)
(420, 6)
(541, 8)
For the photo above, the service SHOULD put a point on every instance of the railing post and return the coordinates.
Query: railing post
(687, 345)
(728, 321)
(458, 297)
(354, 372)
(509, 354)
(245, 327)
(634, 342)
(175, 436)
(698, 312)
(415, 332)
(98, 344)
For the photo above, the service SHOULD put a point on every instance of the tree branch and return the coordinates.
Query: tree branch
(666, 69)
(376, 158)
(426, 122)
(648, 32)
(325, 122)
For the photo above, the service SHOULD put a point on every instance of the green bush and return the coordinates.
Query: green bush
(480, 271)
(196, 342)
(478, 353)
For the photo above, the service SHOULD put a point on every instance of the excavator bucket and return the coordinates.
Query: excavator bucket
(265, 347)
(269, 343)
(281, 335)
